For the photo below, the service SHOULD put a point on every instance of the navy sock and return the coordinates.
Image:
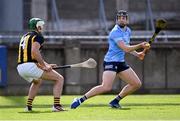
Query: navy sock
(118, 98)
(82, 99)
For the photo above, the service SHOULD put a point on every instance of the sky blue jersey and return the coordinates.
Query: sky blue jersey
(115, 53)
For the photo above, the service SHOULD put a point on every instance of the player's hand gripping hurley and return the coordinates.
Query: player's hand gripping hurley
(160, 25)
(90, 63)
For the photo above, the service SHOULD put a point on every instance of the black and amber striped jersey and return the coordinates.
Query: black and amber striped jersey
(25, 46)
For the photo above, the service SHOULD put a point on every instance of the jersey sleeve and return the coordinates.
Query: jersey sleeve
(130, 32)
(39, 39)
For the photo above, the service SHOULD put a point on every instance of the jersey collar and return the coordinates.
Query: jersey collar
(121, 29)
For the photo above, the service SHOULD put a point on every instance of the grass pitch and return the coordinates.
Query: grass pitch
(135, 107)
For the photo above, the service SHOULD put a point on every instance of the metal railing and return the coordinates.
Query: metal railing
(92, 37)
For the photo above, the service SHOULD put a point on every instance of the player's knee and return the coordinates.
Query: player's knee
(137, 84)
(59, 79)
(106, 88)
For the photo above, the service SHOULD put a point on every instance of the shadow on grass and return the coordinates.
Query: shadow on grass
(48, 106)
(94, 105)
(152, 104)
(123, 108)
(133, 104)
(37, 112)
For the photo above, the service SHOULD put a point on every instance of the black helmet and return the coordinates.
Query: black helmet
(122, 13)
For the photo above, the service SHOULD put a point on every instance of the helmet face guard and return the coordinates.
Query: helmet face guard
(40, 23)
(119, 14)
(122, 13)
(35, 22)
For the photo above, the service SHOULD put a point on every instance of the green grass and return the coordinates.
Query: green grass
(135, 107)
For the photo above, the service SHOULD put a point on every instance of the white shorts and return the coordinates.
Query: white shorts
(29, 71)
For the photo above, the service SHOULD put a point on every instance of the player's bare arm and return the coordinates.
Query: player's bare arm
(139, 55)
(36, 53)
(130, 48)
(52, 65)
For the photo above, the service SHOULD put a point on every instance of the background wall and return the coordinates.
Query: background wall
(159, 71)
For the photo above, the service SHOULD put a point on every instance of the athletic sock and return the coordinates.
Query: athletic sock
(118, 98)
(29, 103)
(56, 101)
(82, 99)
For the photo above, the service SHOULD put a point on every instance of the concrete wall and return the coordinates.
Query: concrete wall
(11, 13)
(159, 71)
(83, 15)
(85, 9)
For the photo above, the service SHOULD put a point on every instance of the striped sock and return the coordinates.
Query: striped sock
(118, 98)
(29, 103)
(56, 101)
(82, 99)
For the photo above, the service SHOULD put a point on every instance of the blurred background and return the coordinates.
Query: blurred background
(77, 30)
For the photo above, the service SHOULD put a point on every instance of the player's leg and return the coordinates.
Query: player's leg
(108, 78)
(32, 93)
(30, 71)
(57, 88)
(107, 82)
(133, 83)
(132, 80)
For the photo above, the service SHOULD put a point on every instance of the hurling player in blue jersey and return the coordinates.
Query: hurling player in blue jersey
(115, 65)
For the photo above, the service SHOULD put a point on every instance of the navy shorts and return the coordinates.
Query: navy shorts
(115, 66)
